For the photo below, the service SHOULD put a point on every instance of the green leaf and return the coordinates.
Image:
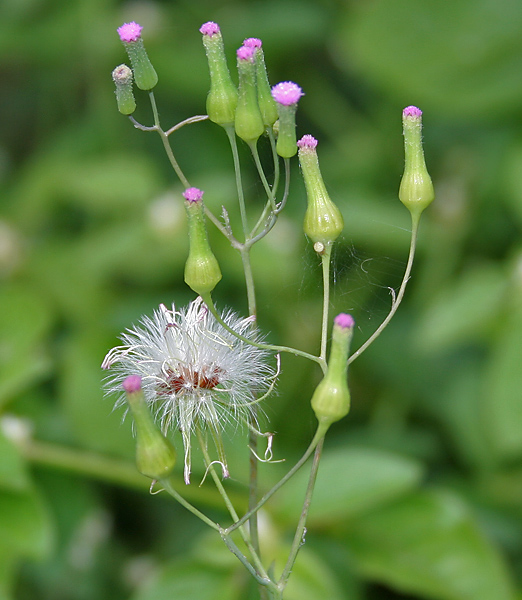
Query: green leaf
(311, 579)
(350, 482)
(13, 473)
(8, 564)
(464, 310)
(25, 320)
(502, 407)
(420, 50)
(24, 524)
(429, 544)
(90, 414)
(189, 580)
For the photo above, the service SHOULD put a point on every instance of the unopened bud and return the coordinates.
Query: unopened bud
(267, 104)
(331, 399)
(222, 96)
(202, 272)
(287, 95)
(155, 455)
(323, 221)
(416, 190)
(249, 121)
(122, 77)
(144, 74)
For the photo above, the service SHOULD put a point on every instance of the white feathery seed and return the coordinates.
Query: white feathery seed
(195, 373)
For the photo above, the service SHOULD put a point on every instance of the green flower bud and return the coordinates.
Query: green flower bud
(122, 77)
(222, 97)
(287, 95)
(248, 122)
(331, 399)
(144, 74)
(155, 455)
(202, 272)
(267, 104)
(416, 191)
(323, 221)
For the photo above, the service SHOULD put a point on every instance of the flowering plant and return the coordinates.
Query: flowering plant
(197, 370)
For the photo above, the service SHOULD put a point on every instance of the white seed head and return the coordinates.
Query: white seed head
(193, 371)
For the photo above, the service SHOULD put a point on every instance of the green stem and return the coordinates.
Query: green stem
(326, 261)
(397, 299)
(269, 192)
(319, 435)
(189, 121)
(275, 158)
(230, 507)
(207, 298)
(239, 183)
(166, 483)
(300, 531)
(111, 470)
(166, 143)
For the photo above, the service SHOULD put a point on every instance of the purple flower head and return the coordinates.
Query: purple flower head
(253, 43)
(344, 320)
(132, 384)
(287, 93)
(210, 28)
(412, 111)
(307, 142)
(193, 194)
(130, 32)
(245, 53)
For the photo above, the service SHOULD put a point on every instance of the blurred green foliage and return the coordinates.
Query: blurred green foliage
(420, 493)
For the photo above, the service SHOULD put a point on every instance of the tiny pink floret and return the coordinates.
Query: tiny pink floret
(193, 194)
(307, 141)
(209, 28)
(287, 93)
(412, 111)
(253, 43)
(132, 384)
(130, 32)
(344, 320)
(245, 52)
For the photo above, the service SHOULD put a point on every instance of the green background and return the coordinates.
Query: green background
(420, 492)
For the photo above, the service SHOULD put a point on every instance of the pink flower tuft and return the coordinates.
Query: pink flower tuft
(132, 384)
(307, 141)
(245, 53)
(253, 43)
(287, 93)
(130, 32)
(209, 28)
(344, 320)
(412, 111)
(193, 194)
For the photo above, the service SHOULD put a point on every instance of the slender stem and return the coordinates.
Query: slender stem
(326, 261)
(166, 143)
(230, 507)
(301, 527)
(166, 483)
(275, 158)
(397, 299)
(253, 485)
(207, 298)
(272, 219)
(319, 435)
(269, 192)
(249, 281)
(239, 183)
(189, 121)
(265, 581)
(226, 231)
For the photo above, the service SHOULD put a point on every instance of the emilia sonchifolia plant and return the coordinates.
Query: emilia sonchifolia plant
(186, 373)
